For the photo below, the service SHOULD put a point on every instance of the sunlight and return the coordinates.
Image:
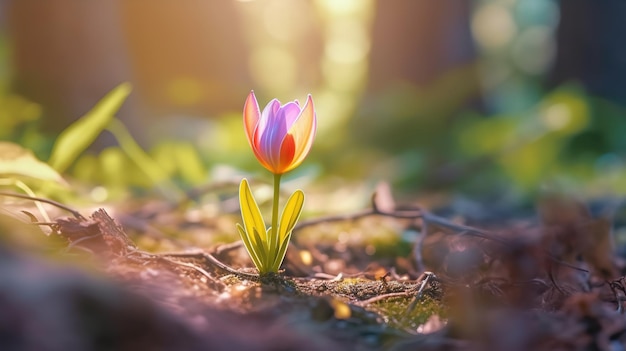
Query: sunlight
(557, 116)
(493, 26)
(288, 51)
(464, 164)
(185, 91)
(347, 42)
(274, 68)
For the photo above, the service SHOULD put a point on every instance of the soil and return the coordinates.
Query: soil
(95, 284)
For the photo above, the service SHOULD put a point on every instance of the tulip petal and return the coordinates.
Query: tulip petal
(270, 110)
(274, 134)
(303, 132)
(287, 152)
(255, 123)
(251, 115)
(289, 114)
(262, 128)
(280, 136)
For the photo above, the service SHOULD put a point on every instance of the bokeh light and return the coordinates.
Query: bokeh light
(405, 91)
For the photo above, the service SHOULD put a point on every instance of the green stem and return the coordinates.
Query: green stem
(273, 240)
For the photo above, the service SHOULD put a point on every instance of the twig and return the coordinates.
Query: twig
(329, 277)
(192, 266)
(76, 243)
(413, 214)
(51, 202)
(214, 261)
(29, 192)
(337, 218)
(382, 297)
(430, 218)
(427, 218)
(426, 278)
(410, 214)
(228, 247)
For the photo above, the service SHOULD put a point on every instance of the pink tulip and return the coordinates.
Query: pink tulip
(282, 135)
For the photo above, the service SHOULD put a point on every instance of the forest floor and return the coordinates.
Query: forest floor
(386, 278)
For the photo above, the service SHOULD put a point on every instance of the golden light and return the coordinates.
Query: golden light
(493, 25)
(295, 42)
(343, 7)
(347, 42)
(306, 257)
(557, 116)
(344, 65)
(342, 310)
(280, 21)
(274, 68)
(185, 91)
(344, 77)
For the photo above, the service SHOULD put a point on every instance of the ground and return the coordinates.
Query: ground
(385, 278)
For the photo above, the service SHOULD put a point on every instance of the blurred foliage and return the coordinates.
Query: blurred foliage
(82, 133)
(16, 161)
(508, 136)
(117, 169)
(567, 140)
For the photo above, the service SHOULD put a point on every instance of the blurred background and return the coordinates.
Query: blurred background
(491, 99)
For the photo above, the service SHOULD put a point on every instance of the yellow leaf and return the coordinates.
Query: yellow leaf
(280, 256)
(80, 134)
(16, 160)
(260, 249)
(288, 220)
(249, 209)
(254, 226)
(251, 252)
(291, 213)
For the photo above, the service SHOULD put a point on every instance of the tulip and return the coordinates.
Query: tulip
(282, 135)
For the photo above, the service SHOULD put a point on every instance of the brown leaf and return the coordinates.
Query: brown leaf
(99, 234)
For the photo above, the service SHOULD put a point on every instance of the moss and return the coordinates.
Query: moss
(406, 314)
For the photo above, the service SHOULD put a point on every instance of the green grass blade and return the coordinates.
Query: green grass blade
(80, 134)
(153, 170)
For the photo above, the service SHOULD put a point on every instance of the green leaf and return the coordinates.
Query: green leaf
(80, 134)
(246, 241)
(16, 160)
